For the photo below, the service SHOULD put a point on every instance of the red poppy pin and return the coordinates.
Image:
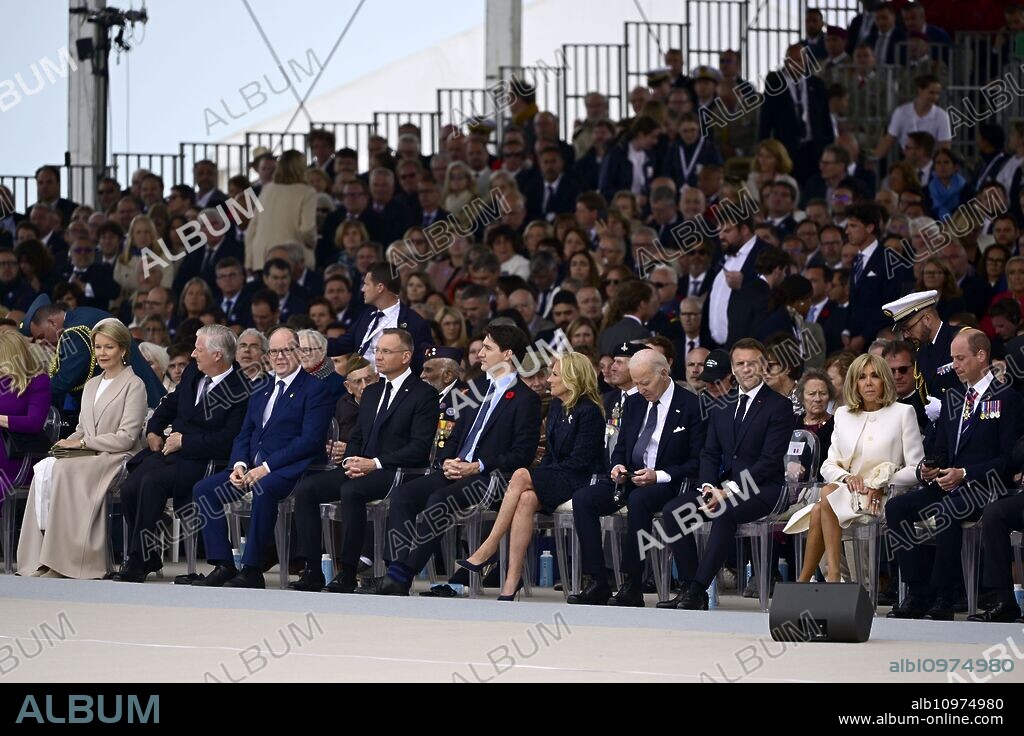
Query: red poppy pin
(510, 394)
(824, 314)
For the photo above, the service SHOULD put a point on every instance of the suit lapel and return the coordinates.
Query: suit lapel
(672, 420)
(975, 420)
(752, 412)
(402, 393)
(115, 388)
(289, 392)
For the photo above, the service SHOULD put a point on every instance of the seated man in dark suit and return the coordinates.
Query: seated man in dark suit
(381, 288)
(205, 414)
(974, 439)
(741, 474)
(95, 281)
(282, 434)
(395, 429)
(658, 448)
(204, 262)
(498, 434)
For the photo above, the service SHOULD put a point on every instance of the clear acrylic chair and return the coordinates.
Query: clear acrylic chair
(801, 468)
(19, 490)
(237, 510)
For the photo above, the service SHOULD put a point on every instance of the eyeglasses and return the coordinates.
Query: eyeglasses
(689, 314)
(659, 285)
(82, 251)
(158, 305)
(276, 352)
(307, 351)
(901, 369)
(613, 282)
(385, 351)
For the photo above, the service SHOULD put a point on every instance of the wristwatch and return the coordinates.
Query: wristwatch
(81, 443)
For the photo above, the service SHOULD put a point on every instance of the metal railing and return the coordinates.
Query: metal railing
(388, 123)
(278, 143)
(872, 99)
(461, 106)
(547, 83)
(775, 26)
(232, 159)
(729, 17)
(167, 166)
(350, 135)
(19, 185)
(646, 44)
(592, 67)
(77, 183)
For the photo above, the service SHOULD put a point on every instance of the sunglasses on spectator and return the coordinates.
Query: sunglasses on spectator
(901, 369)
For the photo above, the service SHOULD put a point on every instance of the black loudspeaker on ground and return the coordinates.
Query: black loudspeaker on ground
(839, 612)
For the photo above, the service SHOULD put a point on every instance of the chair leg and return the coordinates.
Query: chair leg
(615, 535)
(577, 564)
(528, 564)
(761, 560)
(9, 507)
(561, 552)
(970, 551)
(380, 530)
(327, 531)
(474, 530)
(283, 533)
(874, 549)
(191, 548)
(175, 538)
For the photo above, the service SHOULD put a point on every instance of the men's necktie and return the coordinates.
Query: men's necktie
(542, 301)
(478, 424)
(207, 260)
(204, 387)
(548, 194)
(741, 412)
(427, 220)
(640, 448)
(694, 287)
(858, 267)
(968, 413)
(690, 345)
(373, 439)
(368, 338)
(274, 400)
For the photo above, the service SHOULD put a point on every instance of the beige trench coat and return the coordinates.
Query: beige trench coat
(75, 543)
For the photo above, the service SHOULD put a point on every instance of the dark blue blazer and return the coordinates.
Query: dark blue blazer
(987, 444)
(575, 440)
(681, 440)
(934, 361)
(509, 439)
(867, 296)
(75, 354)
(617, 171)
(192, 265)
(409, 424)
(759, 449)
(672, 166)
(407, 320)
(295, 434)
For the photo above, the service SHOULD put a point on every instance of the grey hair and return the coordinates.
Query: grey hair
(644, 230)
(152, 351)
(264, 342)
(651, 358)
(220, 339)
(381, 171)
(207, 212)
(315, 337)
(296, 252)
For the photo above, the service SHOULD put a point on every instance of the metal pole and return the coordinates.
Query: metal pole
(503, 40)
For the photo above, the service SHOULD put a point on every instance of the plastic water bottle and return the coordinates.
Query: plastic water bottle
(241, 545)
(547, 569)
(237, 554)
(748, 574)
(460, 590)
(327, 565)
(784, 569)
(713, 594)
(1018, 593)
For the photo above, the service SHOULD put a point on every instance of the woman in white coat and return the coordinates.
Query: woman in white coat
(876, 443)
(288, 214)
(64, 533)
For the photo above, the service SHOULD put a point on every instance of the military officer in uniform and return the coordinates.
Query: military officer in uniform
(917, 320)
(441, 370)
(615, 400)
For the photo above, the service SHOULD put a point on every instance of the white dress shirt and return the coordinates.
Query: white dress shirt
(720, 293)
(390, 319)
(269, 408)
(208, 383)
(651, 451)
(396, 386)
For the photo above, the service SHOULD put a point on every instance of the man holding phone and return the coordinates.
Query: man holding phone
(658, 448)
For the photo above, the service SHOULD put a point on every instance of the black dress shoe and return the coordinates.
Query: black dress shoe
(1003, 613)
(472, 567)
(130, 572)
(386, 585)
(216, 579)
(249, 577)
(912, 608)
(694, 601)
(311, 581)
(671, 602)
(594, 593)
(342, 583)
(188, 579)
(628, 596)
(941, 610)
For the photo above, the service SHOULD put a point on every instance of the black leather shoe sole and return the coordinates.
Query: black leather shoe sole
(635, 602)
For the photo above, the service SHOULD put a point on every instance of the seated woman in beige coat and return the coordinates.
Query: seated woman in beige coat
(876, 442)
(64, 531)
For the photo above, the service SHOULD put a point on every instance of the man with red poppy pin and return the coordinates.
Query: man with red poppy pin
(499, 433)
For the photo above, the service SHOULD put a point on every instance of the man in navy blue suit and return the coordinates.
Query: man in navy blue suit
(380, 293)
(395, 428)
(282, 434)
(871, 284)
(500, 433)
(204, 414)
(658, 448)
(974, 438)
(740, 477)
(202, 262)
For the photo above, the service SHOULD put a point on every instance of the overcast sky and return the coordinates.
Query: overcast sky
(193, 53)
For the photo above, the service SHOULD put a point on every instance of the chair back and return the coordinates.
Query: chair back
(51, 427)
(801, 468)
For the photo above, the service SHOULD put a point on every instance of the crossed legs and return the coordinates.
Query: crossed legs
(515, 518)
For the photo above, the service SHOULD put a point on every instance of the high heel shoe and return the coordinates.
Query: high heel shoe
(514, 595)
(467, 565)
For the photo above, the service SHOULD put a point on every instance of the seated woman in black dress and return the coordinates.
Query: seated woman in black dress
(575, 434)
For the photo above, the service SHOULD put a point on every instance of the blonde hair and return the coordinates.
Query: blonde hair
(580, 379)
(291, 168)
(783, 163)
(462, 341)
(146, 221)
(18, 362)
(114, 329)
(851, 396)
